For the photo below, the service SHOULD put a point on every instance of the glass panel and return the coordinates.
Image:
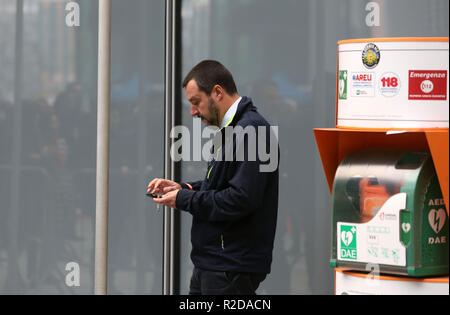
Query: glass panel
(137, 139)
(48, 193)
(283, 55)
(48, 129)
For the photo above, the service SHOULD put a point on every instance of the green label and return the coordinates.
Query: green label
(405, 227)
(342, 85)
(436, 216)
(347, 238)
(435, 228)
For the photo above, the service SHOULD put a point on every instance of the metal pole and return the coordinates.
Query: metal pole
(169, 120)
(102, 182)
(172, 168)
(175, 167)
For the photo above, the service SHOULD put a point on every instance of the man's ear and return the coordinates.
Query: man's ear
(218, 93)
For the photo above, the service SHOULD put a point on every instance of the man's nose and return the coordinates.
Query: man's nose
(194, 111)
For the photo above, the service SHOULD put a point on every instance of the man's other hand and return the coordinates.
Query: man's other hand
(168, 199)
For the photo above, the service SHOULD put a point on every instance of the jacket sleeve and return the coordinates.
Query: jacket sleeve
(240, 198)
(195, 185)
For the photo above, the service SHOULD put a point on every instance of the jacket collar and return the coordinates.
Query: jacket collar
(244, 105)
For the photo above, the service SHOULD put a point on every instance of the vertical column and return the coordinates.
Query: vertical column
(172, 82)
(175, 167)
(169, 120)
(102, 181)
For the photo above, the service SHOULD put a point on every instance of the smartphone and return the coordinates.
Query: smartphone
(154, 195)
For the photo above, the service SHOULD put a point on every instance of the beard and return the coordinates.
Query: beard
(213, 115)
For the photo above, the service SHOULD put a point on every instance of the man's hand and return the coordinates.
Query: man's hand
(168, 199)
(168, 188)
(162, 186)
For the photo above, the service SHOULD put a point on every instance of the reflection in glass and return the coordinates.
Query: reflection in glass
(48, 192)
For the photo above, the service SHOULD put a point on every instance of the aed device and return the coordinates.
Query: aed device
(389, 214)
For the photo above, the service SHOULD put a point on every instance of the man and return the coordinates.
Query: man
(234, 208)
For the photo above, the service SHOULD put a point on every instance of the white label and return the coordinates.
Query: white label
(391, 98)
(348, 284)
(389, 84)
(363, 84)
(376, 241)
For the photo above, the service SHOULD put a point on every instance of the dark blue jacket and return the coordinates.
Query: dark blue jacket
(235, 207)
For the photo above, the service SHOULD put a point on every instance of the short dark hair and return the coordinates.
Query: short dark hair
(209, 73)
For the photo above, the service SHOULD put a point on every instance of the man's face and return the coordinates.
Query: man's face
(202, 105)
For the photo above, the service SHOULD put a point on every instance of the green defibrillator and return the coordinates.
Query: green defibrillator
(388, 211)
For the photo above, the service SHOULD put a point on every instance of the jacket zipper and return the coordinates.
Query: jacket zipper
(223, 244)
